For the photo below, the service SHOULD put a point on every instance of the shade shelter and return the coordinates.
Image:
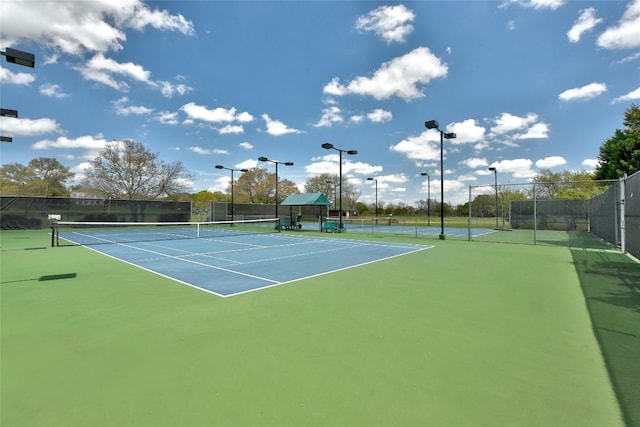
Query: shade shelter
(305, 199)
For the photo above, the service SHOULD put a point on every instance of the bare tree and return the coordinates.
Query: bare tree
(128, 170)
(258, 186)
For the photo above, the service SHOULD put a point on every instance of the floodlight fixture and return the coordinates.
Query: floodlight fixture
(20, 57)
(5, 112)
(431, 124)
(6, 139)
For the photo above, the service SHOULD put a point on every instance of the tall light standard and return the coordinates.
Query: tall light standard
(376, 180)
(232, 170)
(428, 198)
(264, 159)
(335, 193)
(328, 146)
(495, 175)
(432, 124)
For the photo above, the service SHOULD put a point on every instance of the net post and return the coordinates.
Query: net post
(54, 228)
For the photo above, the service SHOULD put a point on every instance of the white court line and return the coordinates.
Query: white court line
(345, 244)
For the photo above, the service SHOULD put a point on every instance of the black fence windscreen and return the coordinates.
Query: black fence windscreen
(22, 212)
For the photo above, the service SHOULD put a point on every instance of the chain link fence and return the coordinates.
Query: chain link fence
(579, 214)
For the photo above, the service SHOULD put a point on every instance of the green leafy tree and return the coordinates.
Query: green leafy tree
(620, 154)
(565, 185)
(208, 196)
(43, 176)
(128, 170)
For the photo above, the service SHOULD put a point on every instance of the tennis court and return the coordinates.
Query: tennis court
(462, 334)
(228, 259)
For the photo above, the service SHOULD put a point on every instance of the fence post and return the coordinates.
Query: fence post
(623, 233)
(469, 213)
(535, 214)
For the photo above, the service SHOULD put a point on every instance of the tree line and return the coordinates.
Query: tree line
(128, 170)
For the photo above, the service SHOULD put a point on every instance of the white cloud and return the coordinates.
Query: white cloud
(631, 96)
(75, 27)
(168, 89)
(391, 23)
(329, 163)
(586, 22)
(550, 162)
(52, 90)
(536, 4)
(537, 131)
(277, 128)
(330, 115)
(248, 164)
(398, 77)
(200, 150)
(245, 145)
(122, 109)
(425, 146)
(590, 163)
(467, 131)
(474, 163)
(217, 115)
(589, 91)
(9, 77)
(231, 129)
(93, 144)
(167, 118)
(626, 35)
(508, 123)
(357, 118)
(379, 115)
(27, 127)
(518, 168)
(104, 70)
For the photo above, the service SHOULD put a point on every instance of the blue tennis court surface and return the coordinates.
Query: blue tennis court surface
(417, 230)
(234, 265)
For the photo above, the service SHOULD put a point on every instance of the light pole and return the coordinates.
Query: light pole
(231, 169)
(432, 124)
(495, 175)
(428, 198)
(264, 159)
(328, 146)
(376, 180)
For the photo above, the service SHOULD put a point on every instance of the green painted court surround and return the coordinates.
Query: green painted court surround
(473, 334)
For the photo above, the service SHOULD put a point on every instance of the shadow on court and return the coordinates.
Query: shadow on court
(611, 285)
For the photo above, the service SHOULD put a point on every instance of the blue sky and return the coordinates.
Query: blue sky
(526, 85)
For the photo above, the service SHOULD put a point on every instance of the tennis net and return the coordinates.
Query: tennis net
(92, 233)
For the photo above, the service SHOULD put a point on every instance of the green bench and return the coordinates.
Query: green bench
(330, 226)
(285, 223)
